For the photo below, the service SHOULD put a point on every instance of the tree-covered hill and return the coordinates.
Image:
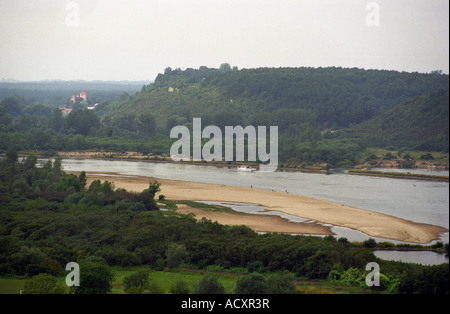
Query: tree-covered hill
(324, 115)
(421, 122)
(326, 97)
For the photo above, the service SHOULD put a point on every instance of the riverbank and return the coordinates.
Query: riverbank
(398, 175)
(316, 168)
(136, 156)
(320, 211)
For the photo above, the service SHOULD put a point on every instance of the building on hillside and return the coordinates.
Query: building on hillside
(65, 110)
(82, 97)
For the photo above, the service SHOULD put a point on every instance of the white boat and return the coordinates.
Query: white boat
(245, 168)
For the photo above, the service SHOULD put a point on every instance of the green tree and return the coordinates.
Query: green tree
(209, 284)
(57, 167)
(81, 121)
(11, 156)
(12, 106)
(179, 287)
(146, 124)
(176, 255)
(56, 122)
(43, 284)
(252, 284)
(136, 282)
(147, 196)
(82, 178)
(153, 188)
(370, 243)
(94, 279)
(281, 283)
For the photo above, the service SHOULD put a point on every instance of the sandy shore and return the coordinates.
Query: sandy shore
(372, 223)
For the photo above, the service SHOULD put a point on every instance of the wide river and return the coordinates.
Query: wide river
(415, 200)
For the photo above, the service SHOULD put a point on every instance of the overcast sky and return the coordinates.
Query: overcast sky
(137, 39)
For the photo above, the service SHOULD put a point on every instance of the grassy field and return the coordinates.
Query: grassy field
(164, 280)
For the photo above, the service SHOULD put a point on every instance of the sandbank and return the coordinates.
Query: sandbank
(321, 211)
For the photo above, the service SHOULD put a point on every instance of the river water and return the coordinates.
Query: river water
(415, 200)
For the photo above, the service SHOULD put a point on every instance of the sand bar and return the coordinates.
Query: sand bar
(372, 223)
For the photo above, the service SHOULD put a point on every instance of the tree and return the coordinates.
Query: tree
(11, 156)
(176, 254)
(370, 243)
(43, 284)
(56, 122)
(82, 179)
(146, 124)
(179, 287)
(12, 106)
(252, 284)
(153, 188)
(225, 67)
(81, 121)
(94, 279)
(147, 196)
(209, 284)
(281, 283)
(137, 282)
(57, 167)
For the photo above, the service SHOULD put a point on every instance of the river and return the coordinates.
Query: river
(415, 200)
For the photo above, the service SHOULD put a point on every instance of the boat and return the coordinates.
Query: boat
(246, 168)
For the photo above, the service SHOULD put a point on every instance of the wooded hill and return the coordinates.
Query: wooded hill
(324, 115)
(405, 110)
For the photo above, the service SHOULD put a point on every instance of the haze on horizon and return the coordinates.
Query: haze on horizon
(137, 39)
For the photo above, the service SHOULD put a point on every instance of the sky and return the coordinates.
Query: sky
(137, 39)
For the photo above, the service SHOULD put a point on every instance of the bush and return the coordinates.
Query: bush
(176, 254)
(180, 287)
(137, 282)
(43, 284)
(252, 284)
(281, 283)
(94, 279)
(209, 284)
(370, 243)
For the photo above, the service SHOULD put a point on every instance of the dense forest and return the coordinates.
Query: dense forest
(324, 115)
(49, 218)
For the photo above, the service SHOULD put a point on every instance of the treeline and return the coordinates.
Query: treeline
(43, 128)
(49, 218)
(56, 93)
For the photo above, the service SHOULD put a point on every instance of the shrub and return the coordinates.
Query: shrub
(179, 287)
(176, 254)
(281, 283)
(209, 284)
(137, 282)
(94, 279)
(252, 284)
(43, 284)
